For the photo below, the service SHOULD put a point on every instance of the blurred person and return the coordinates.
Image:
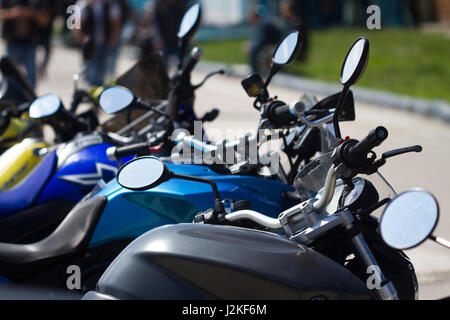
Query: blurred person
(115, 50)
(45, 38)
(293, 12)
(68, 35)
(101, 20)
(166, 20)
(23, 21)
(143, 36)
(414, 9)
(267, 35)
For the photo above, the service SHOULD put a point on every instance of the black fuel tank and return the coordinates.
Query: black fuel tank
(195, 261)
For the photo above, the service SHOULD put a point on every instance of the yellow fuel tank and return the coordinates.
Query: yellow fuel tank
(18, 161)
(14, 130)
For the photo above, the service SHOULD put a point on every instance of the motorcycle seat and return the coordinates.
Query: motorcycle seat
(72, 234)
(23, 195)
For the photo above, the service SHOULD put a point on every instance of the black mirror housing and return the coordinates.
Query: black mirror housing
(288, 49)
(143, 173)
(355, 62)
(188, 27)
(285, 53)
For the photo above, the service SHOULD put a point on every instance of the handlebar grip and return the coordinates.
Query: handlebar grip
(115, 153)
(372, 140)
(281, 115)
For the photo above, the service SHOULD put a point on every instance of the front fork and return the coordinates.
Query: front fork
(386, 289)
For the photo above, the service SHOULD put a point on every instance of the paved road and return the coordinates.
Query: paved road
(429, 170)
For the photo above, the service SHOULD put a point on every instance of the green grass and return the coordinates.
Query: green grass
(403, 61)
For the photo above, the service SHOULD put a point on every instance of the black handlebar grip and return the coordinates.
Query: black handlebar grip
(281, 115)
(116, 153)
(372, 140)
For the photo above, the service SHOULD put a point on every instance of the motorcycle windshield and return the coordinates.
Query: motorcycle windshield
(311, 179)
(148, 78)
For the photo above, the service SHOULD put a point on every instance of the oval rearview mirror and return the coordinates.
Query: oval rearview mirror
(287, 50)
(143, 173)
(409, 219)
(355, 62)
(190, 22)
(45, 106)
(115, 99)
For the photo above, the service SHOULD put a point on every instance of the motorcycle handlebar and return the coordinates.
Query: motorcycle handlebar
(372, 140)
(194, 58)
(190, 141)
(116, 153)
(254, 216)
(119, 140)
(282, 115)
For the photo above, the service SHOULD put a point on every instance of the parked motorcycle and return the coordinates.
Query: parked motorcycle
(22, 134)
(326, 247)
(16, 96)
(42, 183)
(97, 229)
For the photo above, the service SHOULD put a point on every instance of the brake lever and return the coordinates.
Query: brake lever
(221, 71)
(210, 116)
(397, 152)
(393, 153)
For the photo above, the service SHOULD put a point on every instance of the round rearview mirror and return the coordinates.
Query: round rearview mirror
(45, 106)
(287, 50)
(189, 22)
(409, 219)
(115, 99)
(143, 173)
(355, 63)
